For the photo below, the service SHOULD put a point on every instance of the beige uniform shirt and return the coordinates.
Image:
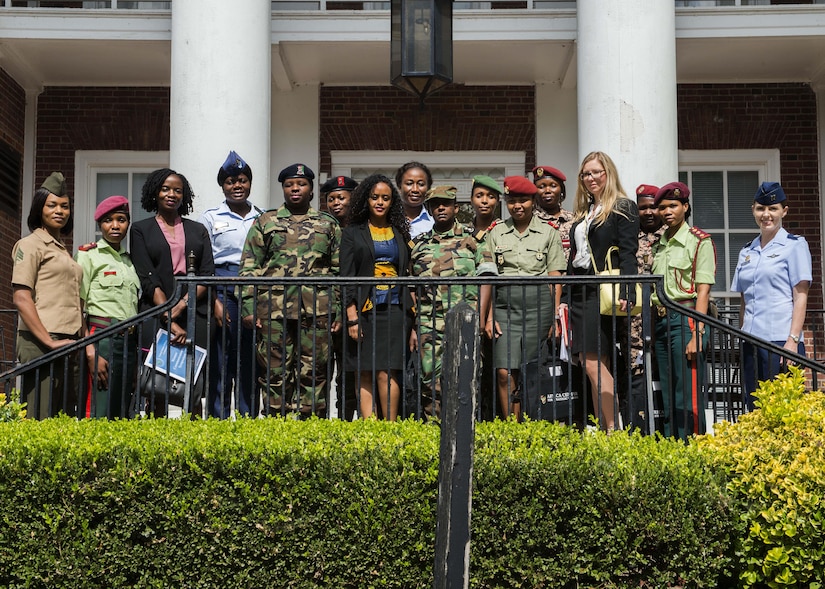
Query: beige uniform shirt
(42, 264)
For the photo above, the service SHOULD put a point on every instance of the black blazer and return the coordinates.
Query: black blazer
(358, 259)
(618, 229)
(153, 258)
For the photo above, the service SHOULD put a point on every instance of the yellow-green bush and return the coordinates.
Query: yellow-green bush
(281, 503)
(775, 458)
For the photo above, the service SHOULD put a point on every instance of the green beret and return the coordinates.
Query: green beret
(443, 191)
(487, 182)
(56, 184)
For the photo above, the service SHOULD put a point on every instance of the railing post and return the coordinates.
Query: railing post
(455, 471)
(191, 317)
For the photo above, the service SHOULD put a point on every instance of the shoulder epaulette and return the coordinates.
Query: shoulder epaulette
(699, 232)
(87, 246)
(792, 236)
(480, 235)
(329, 217)
(493, 224)
(411, 243)
(553, 224)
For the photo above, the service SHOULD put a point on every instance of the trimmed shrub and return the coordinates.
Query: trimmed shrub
(281, 503)
(775, 458)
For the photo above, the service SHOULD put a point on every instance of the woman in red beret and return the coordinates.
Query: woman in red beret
(522, 318)
(552, 191)
(604, 218)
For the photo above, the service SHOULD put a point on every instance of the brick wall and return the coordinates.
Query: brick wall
(764, 116)
(73, 118)
(457, 118)
(12, 125)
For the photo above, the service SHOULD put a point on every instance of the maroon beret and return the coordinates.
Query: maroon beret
(540, 172)
(647, 190)
(673, 191)
(518, 185)
(111, 204)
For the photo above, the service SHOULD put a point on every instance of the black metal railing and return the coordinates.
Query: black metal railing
(298, 366)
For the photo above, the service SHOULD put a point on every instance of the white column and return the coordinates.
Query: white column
(556, 133)
(627, 87)
(220, 95)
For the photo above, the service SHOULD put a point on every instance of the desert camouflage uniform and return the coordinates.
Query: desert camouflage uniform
(644, 258)
(456, 252)
(563, 222)
(293, 343)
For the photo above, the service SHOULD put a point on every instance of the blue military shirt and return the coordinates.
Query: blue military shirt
(227, 231)
(766, 278)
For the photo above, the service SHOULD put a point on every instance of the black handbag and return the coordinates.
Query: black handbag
(155, 384)
(545, 387)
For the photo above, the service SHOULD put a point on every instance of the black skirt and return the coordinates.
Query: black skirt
(386, 332)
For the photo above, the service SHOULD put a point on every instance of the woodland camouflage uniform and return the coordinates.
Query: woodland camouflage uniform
(293, 343)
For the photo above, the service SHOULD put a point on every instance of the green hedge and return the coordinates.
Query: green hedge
(775, 458)
(280, 503)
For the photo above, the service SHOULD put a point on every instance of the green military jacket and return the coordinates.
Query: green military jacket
(282, 244)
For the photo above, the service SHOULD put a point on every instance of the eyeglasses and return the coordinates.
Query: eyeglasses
(594, 174)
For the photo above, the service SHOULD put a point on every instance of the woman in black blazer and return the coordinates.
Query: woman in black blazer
(160, 248)
(604, 217)
(375, 244)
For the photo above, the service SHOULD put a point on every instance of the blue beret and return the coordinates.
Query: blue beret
(296, 171)
(233, 166)
(769, 193)
(339, 183)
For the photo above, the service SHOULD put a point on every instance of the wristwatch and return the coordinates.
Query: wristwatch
(795, 338)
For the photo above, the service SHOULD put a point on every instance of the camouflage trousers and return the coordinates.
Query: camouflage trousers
(294, 354)
(430, 347)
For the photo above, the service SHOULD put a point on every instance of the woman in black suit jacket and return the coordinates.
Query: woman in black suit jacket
(375, 244)
(160, 249)
(604, 218)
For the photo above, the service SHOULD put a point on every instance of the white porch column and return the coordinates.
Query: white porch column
(627, 87)
(220, 94)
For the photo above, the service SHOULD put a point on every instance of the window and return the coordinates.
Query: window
(100, 174)
(722, 185)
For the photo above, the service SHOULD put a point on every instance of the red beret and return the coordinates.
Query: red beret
(673, 191)
(647, 190)
(110, 204)
(518, 185)
(540, 172)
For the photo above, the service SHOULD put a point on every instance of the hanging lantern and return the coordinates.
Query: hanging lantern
(421, 39)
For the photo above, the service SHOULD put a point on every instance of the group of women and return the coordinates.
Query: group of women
(60, 300)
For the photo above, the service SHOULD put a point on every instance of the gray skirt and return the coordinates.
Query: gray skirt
(524, 315)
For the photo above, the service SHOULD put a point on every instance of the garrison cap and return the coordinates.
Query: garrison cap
(55, 183)
(110, 204)
(233, 166)
(518, 185)
(339, 183)
(296, 171)
(540, 172)
(444, 191)
(486, 182)
(647, 190)
(769, 193)
(672, 191)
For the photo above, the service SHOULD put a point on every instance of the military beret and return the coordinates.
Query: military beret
(540, 172)
(339, 183)
(769, 193)
(647, 190)
(672, 191)
(518, 185)
(110, 204)
(443, 191)
(487, 182)
(233, 166)
(55, 183)
(296, 171)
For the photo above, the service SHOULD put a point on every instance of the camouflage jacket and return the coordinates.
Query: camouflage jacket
(282, 244)
(456, 252)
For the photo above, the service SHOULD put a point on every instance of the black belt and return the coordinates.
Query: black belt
(661, 310)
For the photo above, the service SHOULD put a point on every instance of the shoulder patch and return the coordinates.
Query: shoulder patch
(329, 217)
(87, 246)
(699, 232)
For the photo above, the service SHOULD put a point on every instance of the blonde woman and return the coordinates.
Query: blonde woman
(603, 217)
